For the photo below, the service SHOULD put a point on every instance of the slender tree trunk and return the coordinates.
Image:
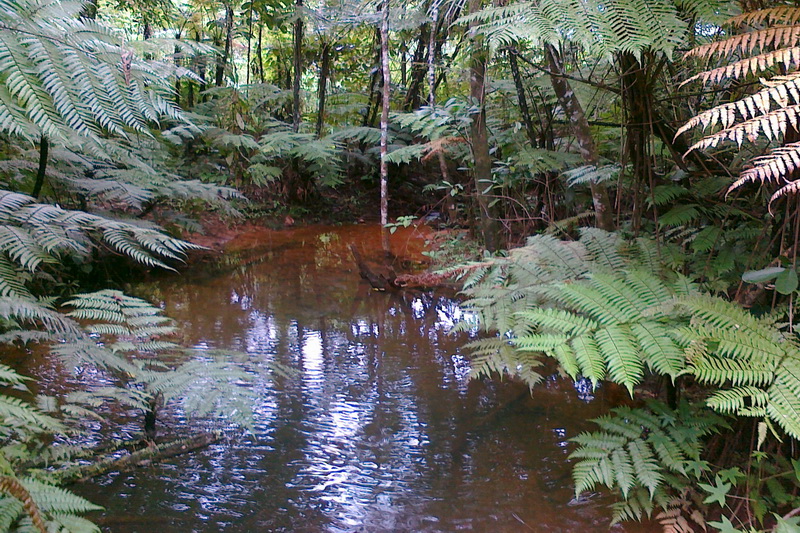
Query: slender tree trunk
(417, 70)
(200, 68)
(44, 147)
(260, 52)
(386, 93)
(178, 88)
(298, 65)
(521, 97)
(324, 72)
(403, 63)
(482, 171)
(432, 53)
(583, 135)
(222, 63)
(369, 118)
(637, 108)
(448, 206)
(249, 42)
(89, 10)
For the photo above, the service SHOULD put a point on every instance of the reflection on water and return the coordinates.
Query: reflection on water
(380, 428)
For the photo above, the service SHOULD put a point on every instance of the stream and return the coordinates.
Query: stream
(379, 427)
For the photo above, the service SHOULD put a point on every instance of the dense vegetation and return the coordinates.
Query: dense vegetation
(646, 152)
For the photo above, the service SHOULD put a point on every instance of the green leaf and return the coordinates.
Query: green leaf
(786, 282)
(760, 276)
(787, 525)
(724, 526)
(716, 492)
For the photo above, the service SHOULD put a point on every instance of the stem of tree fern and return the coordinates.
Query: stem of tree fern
(44, 147)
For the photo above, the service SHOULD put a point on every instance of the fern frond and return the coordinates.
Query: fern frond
(636, 449)
(775, 15)
(746, 43)
(788, 58)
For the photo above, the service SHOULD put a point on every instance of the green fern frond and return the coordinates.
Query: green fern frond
(637, 449)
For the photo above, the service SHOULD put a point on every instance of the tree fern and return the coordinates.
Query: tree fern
(133, 331)
(611, 327)
(603, 28)
(34, 235)
(594, 305)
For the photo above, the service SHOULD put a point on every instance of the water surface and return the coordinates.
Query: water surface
(380, 428)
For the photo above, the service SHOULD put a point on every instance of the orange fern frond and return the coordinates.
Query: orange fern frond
(772, 125)
(790, 188)
(746, 43)
(779, 163)
(748, 107)
(787, 57)
(11, 485)
(773, 15)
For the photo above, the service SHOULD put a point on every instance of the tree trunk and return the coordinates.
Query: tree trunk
(222, 62)
(178, 88)
(403, 63)
(200, 69)
(324, 72)
(249, 42)
(298, 65)
(89, 10)
(412, 100)
(432, 53)
(448, 207)
(482, 171)
(44, 147)
(522, 99)
(386, 93)
(260, 52)
(637, 110)
(583, 135)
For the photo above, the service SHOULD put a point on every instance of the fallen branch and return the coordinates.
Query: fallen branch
(153, 452)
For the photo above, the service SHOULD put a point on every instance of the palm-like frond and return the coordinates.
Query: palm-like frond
(64, 75)
(604, 28)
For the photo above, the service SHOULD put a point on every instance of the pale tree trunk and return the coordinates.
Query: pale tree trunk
(385, 125)
(583, 135)
(482, 171)
(298, 65)
(432, 53)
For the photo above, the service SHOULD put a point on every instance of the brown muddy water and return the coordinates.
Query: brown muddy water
(379, 430)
